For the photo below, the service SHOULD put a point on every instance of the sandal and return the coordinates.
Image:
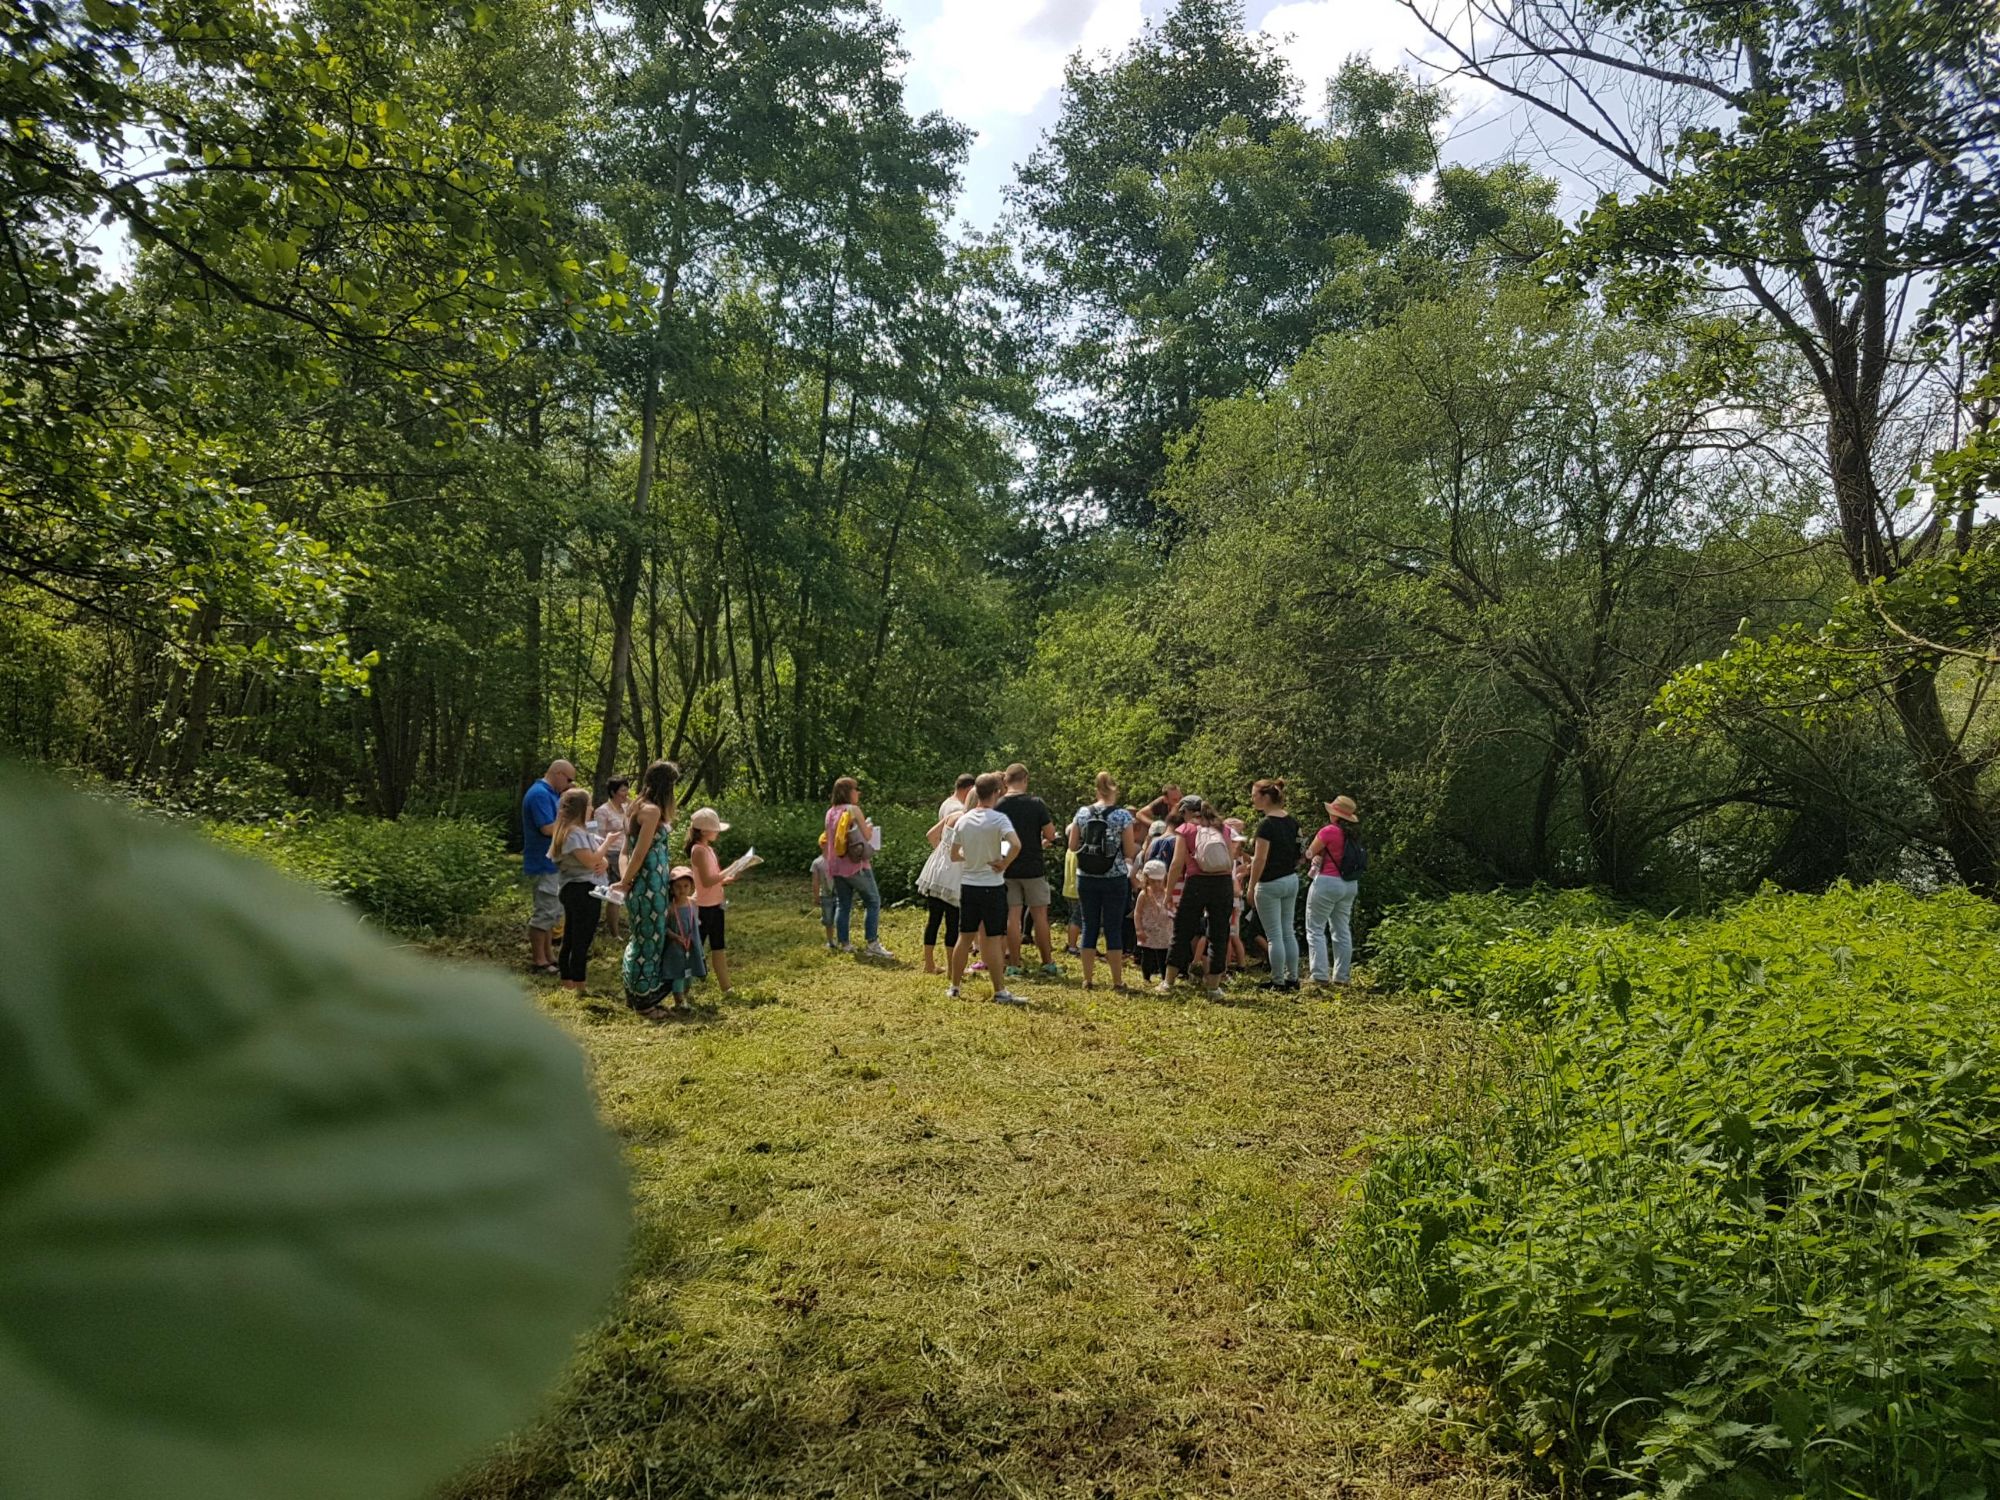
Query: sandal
(657, 1014)
(543, 969)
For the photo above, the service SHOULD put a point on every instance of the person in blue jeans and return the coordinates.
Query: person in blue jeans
(848, 857)
(1274, 881)
(1103, 837)
(1330, 902)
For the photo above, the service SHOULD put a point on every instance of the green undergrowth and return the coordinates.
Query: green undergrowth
(890, 1243)
(1727, 1222)
(418, 876)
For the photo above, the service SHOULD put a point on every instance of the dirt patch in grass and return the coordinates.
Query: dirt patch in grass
(889, 1243)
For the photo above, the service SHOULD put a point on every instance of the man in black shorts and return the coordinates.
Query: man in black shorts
(1028, 876)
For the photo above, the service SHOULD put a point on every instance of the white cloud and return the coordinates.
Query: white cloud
(985, 63)
(1317, 36)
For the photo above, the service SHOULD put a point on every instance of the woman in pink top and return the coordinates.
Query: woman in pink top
(1330, 898)
(850, 869)
(711, 887)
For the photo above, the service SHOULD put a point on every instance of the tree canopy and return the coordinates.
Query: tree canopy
(393, 397)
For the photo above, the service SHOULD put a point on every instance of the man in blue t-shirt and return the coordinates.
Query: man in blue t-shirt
(538, 822)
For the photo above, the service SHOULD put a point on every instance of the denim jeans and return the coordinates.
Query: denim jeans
(1330, 904)
(1102, 899)
(1277, 903)
(844, 889)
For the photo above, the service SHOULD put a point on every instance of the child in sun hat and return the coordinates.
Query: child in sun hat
(1155, 923)
(711, 888)
(685, 960)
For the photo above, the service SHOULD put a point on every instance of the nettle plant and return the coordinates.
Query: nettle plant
(283, 1211)
(1727, 1227)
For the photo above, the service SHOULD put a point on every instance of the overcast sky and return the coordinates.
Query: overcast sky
(997, 66)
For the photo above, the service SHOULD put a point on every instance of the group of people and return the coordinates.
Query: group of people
(586, 863)
(1174, 885)
(1168, 884)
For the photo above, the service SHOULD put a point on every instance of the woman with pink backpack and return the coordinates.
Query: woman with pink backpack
(1202, 854)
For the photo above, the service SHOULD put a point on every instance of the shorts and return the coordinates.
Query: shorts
(828, 902)
(983, 909)
(545, 893)
(709, 919)
(1027, 890)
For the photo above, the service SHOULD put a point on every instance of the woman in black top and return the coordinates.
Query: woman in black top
(1274, 881)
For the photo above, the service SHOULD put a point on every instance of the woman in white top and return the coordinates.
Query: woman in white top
(944, 912)
(985, 843)
(613, 819)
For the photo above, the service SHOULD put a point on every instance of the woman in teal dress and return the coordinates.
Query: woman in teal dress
(648, 888)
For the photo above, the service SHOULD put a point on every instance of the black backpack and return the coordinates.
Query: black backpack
(1097, 850)
(1353, 857)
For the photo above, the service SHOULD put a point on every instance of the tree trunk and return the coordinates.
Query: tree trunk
(1966, 824)
(1542, 866)
(534, 708)
(1600, 822)
(631, 566)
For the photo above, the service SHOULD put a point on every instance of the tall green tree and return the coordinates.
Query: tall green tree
(1823, 163)
(1508, 492)
(1188, 229)
(311, 200)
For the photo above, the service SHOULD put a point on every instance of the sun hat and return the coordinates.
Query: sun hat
(708, 820)
(1344, 809)
(1156, 869)
(680, 872)
(1191, 804)
(1158, 830)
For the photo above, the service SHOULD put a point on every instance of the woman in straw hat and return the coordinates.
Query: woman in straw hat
(1330, 899)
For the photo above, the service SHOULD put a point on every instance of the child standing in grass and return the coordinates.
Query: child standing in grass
(1155, 922)
(823, 894)
(711, 888)
(684, 960)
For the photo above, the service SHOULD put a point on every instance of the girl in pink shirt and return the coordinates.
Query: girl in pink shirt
(711, 887)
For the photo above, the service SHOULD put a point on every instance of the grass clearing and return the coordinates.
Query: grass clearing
(888, 1243)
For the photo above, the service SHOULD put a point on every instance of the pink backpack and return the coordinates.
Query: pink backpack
(1211, 851)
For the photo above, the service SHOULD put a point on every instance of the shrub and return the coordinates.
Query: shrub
(1731, 1225)
(413, 875)
(1444, 949)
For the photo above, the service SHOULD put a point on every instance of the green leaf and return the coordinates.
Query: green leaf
(283, 1211)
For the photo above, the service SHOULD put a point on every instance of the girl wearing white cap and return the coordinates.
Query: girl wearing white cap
(711, 887)
(1154, 921)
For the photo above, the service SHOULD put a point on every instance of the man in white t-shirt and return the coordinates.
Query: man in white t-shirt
(985, 842)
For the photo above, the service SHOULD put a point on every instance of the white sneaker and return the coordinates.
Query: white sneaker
(844, 948)
(951, 992)
(1007, 997)
(876, 950)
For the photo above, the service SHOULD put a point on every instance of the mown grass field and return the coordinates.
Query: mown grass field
(888, 1243)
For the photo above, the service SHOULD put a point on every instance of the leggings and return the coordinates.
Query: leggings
(580, 913)
(944, 914)
(1207, 901)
